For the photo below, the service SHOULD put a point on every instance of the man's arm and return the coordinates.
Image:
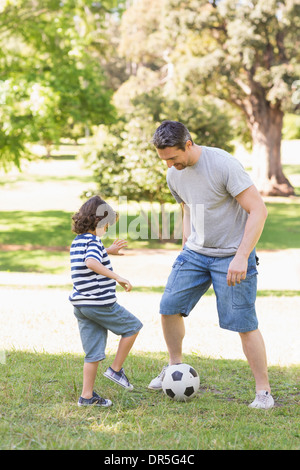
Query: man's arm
(251, 201)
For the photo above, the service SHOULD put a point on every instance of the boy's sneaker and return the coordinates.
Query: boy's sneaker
(118, 377)
(263, 400)
(95, 401)
(156, 383)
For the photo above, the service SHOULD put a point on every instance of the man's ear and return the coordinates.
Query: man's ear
(188, 144)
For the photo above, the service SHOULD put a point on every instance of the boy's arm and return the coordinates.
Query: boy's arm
(98, 268)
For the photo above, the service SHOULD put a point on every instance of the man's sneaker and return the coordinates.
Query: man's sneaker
(118, 377)
(263, 400)
(156, 383)
(95, 401)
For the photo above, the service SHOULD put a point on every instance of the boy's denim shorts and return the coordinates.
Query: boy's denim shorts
(95, 321)
(191, 276)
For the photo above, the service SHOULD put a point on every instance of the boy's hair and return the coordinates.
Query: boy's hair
(171, 134)
(95, 212)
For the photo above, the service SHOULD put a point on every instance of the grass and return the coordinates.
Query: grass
(37, 233)
(39, 393)
(35, 261)
(282, 227)
(44, 228)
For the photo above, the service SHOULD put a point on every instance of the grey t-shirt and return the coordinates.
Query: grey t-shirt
(208, 188)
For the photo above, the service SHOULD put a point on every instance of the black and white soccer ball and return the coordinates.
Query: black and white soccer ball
(181, 382)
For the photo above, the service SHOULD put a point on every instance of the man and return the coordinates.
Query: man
(223, 218)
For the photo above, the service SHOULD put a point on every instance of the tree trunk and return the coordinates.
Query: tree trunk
(266, 127)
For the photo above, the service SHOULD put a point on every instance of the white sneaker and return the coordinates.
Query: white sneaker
(156, 384)
(263, 400)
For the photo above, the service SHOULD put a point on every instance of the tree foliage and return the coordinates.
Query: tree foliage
(245, 53)
(124, 160)
(50, 77)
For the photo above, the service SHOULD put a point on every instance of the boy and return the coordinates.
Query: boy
(94, 298)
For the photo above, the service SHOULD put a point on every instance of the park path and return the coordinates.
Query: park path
(40, 318)
(278, 270)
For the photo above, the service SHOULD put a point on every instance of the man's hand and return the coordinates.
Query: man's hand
(115, 248)
(237, 270)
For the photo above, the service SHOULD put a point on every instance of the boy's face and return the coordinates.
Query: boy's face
(100, 231)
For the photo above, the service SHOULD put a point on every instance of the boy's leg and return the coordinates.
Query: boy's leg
(116, 372)
(123, 350)
(89, 377)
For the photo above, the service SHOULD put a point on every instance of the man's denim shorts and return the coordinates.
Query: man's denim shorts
(95, 321)
(191, 276)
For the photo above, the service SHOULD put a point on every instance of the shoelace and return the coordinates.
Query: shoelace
(122, 374)
(162, 373)
(98, 399)
(262, 398)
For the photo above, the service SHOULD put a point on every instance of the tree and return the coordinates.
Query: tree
(125, 162)
(50, 74)
(246, 53)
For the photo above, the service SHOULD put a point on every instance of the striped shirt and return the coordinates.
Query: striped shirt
(90, 288)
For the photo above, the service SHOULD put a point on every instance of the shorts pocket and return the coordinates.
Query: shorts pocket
(180, 260)
(177, 266)
(244, 294)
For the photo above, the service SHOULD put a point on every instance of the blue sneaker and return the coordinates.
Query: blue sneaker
(118, 377)
(95, 401)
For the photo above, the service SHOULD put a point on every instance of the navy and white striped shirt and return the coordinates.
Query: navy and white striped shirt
(90, 288)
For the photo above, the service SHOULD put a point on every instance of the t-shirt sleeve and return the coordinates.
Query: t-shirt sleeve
(94, 250)
(235, 177)
(172, 190)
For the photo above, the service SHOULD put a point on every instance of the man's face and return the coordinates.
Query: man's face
(176, 157)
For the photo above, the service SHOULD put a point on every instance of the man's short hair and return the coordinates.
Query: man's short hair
(171, 134)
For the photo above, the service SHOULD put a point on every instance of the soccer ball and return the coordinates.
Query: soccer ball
(181, 382)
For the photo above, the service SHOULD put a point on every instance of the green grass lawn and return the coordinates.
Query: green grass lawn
(39, 393)
(50, 229)
(282, 227)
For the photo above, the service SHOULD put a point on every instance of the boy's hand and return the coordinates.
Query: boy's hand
(117, 245)
(124, 283)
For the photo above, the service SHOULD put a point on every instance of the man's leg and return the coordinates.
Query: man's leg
(254, 349)
(188, 281)
(174, 331)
